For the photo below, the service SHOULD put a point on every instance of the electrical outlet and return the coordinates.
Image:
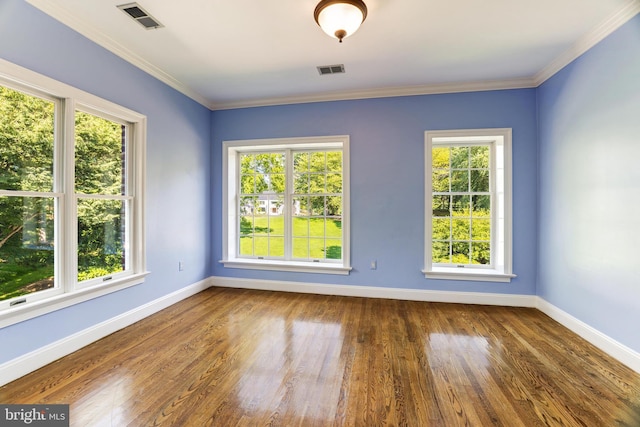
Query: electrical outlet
(374, 264)
(180, 266)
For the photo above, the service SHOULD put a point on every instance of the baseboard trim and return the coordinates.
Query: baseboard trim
(20, 366)
(377, 292)
(615, 349)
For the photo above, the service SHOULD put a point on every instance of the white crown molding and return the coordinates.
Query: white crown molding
(389, 92)
(60, 14)
(586, 42)
(613, 22)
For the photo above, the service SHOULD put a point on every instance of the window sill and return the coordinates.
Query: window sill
(480, 275)
(295, 266)
(29, 310)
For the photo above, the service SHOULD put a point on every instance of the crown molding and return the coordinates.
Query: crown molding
(609, 25)
(60, 14)
(431, 89)
(586, 42)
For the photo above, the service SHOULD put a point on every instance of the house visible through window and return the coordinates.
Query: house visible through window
(468, 211)
(287, 204)
(71, 195)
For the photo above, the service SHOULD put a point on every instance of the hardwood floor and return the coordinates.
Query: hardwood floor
(228, 357)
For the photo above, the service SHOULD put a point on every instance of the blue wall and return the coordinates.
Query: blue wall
(387, 178)
(178, 152)
(589, 202)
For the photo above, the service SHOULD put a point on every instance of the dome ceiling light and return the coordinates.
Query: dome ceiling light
(340, 18)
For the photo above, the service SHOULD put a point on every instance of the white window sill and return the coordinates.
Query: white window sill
(296, 266)
(482, 275)
(29, 310)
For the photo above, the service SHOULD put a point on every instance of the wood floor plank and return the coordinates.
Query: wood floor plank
(230, 357)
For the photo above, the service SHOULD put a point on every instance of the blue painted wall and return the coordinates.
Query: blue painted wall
(178, 152)
(387, 178)
(589, 202)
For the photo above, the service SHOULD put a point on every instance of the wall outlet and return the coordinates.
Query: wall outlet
(180, 266)
(374, 264)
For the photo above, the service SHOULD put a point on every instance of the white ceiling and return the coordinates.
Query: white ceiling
(235, 53)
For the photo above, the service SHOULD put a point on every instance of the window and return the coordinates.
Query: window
(71, 195)
(468, 205)
(287, 204)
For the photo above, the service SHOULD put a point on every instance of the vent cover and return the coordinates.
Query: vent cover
(135, 11)
(331, 69)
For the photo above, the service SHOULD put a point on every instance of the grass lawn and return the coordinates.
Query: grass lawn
(14, 278)
(314, 238)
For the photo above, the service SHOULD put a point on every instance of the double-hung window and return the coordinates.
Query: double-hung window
(71, 195)
(287, 204)
(468, 205)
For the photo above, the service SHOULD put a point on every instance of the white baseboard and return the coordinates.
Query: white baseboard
(377, 292)
(605, 343)
(36, 359)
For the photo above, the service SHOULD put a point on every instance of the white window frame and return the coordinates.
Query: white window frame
(68, 290)
(499, 139)
(230, 185)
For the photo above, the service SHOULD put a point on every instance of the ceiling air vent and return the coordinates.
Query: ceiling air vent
(135, 11)
(331, 69)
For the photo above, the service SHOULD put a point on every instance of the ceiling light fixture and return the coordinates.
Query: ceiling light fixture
(340, 18)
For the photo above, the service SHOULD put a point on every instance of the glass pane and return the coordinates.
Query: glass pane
(276, 247)
(261, 246)
(301, 183)
(334, 161)
(460, 180)
(459, 157)
(480, 253)
(460, 253)
(334, 183)
(481, 206)
(246, 225)
(440, 205)
(440, 157)
(269, 163)
(440, 252)
(481, 229)
(480, 157)
(301, 248)
(461, 229)
(246, 245)
(100, 155)
(247, 184)
(102, 238)
(334, 227)
(440, 180)
(318, 162)
(276, 225)
(333, 249)
(334, 206)
(480, 180)
(300, 227)
(276, 183)
(261, 224)
(301, 206)
(26, 245)
(460, 205)
(317, 206)
(316, 248)
(317, 183)
(301, 162)
(26, 142)
(441, 228)
(316, 227)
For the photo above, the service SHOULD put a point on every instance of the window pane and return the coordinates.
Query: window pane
(460, 180)
(334, 183)
(26, 142)
(481, 253)
(261, 246)
(300, 227)
(316, 227)
(440, 180)
(334, 161)
(26, 245)
(441, 228)
(247, 184)
(246, 245)
(481, 206)
(334, 206)
(301, 162)
(316, 248)
(440, 252)
(276, 247)
(317, 183)
(480, 157)
(461, 229)
(318, 162)
(317, 206)
(301, 183)
(460, 205)
(481, 229)
(460, 253)
(440, 205)
(102, 238)
(333, 249)
(334, 227)
(301, 248)
(459, 157)
(480, 180)
(440, 157)
(100, 155)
